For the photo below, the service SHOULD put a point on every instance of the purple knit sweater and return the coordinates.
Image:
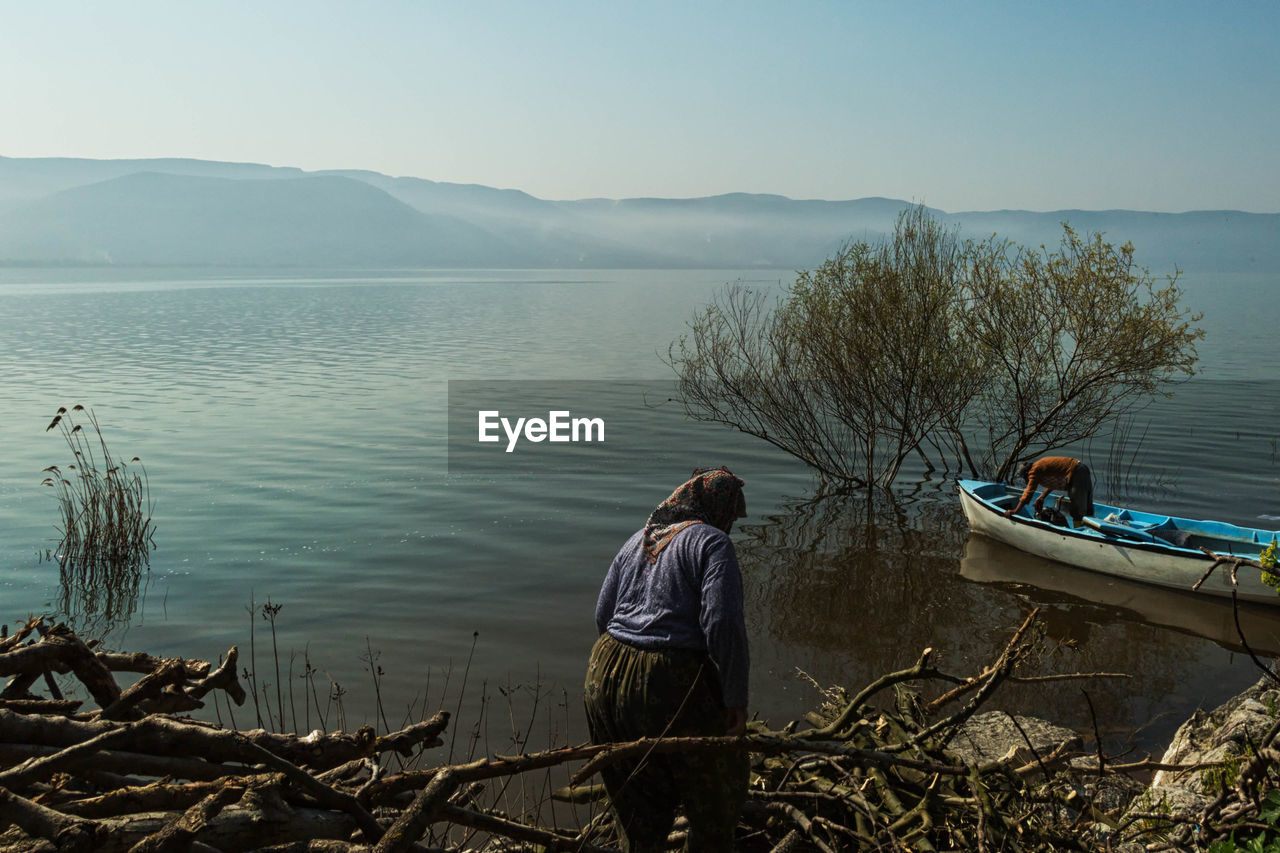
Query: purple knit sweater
(690, 599)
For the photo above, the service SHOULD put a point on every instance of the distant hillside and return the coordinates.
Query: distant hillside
(174, 211)
(151, 218)
(1202, 240)
(29, 179)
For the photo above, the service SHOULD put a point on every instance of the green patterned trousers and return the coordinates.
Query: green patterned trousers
(633, 693)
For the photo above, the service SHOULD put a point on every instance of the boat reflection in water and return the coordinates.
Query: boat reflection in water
(984, 560)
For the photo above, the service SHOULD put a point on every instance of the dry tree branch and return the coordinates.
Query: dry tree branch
(835, 785)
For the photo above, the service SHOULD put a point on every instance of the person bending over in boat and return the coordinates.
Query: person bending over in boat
(1057, 472)
(671, 659)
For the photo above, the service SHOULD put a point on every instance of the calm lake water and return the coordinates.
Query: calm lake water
(294, 431)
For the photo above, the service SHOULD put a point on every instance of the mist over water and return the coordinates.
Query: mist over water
(294, 431)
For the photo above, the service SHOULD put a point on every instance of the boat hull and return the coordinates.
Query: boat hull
(984, 560)
(1144, 561)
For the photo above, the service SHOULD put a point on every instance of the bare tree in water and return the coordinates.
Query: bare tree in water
(973, 354)
(853, 368)
(1073, 341)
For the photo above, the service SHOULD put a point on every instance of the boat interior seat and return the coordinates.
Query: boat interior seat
(1172, 535)
(1118, 525)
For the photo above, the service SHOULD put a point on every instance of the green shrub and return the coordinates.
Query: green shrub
(1270, 558)
(1264, 840)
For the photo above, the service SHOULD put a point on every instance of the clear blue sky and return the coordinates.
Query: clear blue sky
(963, 105)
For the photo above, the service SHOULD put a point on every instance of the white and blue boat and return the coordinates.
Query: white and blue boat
(1139, 546)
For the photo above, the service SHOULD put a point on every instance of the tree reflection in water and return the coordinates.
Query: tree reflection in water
(847, 588)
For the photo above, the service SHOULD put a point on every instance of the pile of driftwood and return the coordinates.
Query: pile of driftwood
(871, 771)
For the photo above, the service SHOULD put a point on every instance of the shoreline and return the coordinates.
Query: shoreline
(899, 737)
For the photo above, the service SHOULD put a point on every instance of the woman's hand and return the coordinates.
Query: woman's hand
(735, 721)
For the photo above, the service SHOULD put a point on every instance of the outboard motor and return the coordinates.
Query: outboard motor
(1052, 515)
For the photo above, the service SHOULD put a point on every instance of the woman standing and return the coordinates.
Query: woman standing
(671, 660)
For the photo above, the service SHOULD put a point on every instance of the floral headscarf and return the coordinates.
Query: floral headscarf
(711, 496)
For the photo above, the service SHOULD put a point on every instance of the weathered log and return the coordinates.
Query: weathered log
(11, 641)
(19, 687)
(178, 836)
(325, 795)
(580, 794)
(143, 663)
(238, 827)
(323, 751)
(73, 834)
(167, 796)
(158, 796)
(62, 707)
(162, 684)
(432, 805)
(55, 692)
(223, 678)
(122, 762)
(162, 736)
(158, 734)
(261, 822)
(344, 772)
(172, 700)
(14, 840)
(96, 678)
(413, 822)
(547, 839)
(17, 778)
(140, 662)
(423, 734)
(613, 753)
(150, 686)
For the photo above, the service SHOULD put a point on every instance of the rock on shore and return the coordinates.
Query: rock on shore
(1229, 731)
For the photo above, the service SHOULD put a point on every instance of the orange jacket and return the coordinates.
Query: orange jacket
(1049, 473)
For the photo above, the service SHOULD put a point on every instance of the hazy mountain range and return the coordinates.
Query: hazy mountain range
(198, 212)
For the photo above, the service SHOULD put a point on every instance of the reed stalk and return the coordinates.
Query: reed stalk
(105, 526)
